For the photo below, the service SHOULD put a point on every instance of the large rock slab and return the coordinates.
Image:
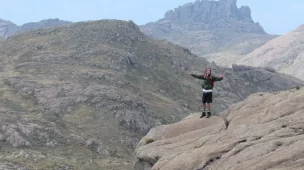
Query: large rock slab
(263, 132)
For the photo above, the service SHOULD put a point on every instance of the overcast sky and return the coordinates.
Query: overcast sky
(276, 16)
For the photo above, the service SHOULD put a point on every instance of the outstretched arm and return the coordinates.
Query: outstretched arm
(218, 78)
(197, 76)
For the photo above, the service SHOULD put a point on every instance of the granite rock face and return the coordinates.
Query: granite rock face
(265, 131)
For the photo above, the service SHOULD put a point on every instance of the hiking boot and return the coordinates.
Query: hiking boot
(208, 114)
(203, 114)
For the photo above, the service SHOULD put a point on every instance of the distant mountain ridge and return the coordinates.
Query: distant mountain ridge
(216, 30)
(213, 15)
(8, 28)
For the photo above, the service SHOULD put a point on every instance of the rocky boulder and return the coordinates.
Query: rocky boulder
(263, 132)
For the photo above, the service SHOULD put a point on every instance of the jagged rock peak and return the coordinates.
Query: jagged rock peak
(209, 10)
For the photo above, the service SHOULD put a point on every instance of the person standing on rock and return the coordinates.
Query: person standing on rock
(207, 89)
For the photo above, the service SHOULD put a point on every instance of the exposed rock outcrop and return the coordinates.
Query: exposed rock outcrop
(26, 135)
(263, 132)
(98, 146)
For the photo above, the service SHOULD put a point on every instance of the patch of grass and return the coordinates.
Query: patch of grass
(81, 115)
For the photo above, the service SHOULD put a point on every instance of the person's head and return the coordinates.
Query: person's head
(208, 71)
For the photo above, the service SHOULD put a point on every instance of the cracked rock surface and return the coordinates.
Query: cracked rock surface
(265, 131)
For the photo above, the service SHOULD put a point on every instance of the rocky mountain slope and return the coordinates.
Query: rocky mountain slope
(263, 132)
(8, 28)
(216, 30)
(285, 54)
(81, 96)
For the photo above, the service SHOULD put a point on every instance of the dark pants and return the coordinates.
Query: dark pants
(207, 97)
